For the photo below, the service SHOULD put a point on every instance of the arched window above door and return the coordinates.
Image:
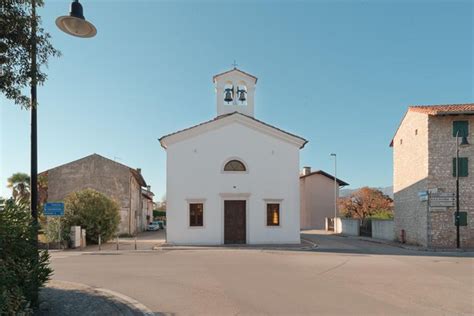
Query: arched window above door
(235, 166)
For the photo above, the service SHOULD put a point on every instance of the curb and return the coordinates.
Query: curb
(129, 302)
(245, 247)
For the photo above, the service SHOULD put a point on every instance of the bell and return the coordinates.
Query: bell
(228, 95)
(242, 97)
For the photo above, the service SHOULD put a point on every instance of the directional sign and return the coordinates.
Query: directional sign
(442, 199)
(54, 209)
(423, 195)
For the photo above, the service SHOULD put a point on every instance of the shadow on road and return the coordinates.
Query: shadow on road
(332, 243)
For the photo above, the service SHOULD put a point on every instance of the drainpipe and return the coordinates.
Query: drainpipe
(130, 208)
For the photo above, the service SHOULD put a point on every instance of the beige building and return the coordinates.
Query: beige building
(147, 208)
(317, 197)
(424, 151)
(119, 182)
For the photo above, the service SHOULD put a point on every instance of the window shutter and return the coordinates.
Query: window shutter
(463, 167)
(462, 127)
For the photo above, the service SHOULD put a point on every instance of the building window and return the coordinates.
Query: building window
(273, 214)
(196, 214)
(463, 167)
(416, 132)
(461, 128)
(234, 165)
(401, 141)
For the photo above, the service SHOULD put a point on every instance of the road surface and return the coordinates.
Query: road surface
(342, 276)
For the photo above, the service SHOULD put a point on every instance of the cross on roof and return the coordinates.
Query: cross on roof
(234, 64)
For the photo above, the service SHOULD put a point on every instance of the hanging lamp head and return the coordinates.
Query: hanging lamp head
(75, 24)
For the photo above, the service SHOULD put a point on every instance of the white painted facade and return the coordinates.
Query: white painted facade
(195, 173)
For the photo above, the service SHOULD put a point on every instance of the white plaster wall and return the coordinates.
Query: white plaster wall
(194, 172)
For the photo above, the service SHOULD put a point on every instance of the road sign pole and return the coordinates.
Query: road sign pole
(59, 233)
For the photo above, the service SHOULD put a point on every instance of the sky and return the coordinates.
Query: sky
(338, 73)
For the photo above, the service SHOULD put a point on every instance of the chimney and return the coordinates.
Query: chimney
(148, 188)
(139, 170)
(306, 171)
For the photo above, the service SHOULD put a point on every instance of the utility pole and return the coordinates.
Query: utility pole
(335, 190)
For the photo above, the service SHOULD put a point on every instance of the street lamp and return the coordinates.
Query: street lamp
(335, 189)
(75, 24)
(464, 143)
(79, 30)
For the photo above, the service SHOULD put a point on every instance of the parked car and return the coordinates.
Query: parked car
(155, 225)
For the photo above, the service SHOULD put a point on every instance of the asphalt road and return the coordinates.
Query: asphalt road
(342, 276)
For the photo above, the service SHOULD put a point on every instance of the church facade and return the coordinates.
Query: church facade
(233, 179)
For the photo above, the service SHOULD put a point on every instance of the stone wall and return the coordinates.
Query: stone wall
(98, 173)
(442, 150)
(410, 166)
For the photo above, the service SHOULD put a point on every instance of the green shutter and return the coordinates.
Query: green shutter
(462, 127)
(463, 167)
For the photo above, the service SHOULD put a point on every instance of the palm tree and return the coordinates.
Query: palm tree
(20, 184)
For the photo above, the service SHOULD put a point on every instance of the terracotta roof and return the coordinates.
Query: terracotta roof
(438, 110)
(323, 173)
(227, 115)
(446, 109)
(235, 68)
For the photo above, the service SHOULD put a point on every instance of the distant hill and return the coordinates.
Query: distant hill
(386, 190)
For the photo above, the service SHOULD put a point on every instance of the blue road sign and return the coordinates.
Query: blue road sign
(54, 209)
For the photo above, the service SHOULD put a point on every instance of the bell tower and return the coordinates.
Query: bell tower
(235, 92)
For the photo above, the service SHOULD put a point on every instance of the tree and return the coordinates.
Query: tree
(162, 203)
(16, 47)
(20, 184)
(365, 202)
(94, 211)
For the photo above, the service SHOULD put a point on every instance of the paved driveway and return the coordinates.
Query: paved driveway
(342, 277)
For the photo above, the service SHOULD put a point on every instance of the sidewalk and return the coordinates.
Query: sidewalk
(67, 298)
(408, 246)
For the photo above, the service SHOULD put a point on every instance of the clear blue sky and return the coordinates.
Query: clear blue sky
(339, 73)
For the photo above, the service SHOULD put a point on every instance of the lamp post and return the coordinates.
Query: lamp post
(74, 24)
(33, 104)
(464, 143)
(335, 189)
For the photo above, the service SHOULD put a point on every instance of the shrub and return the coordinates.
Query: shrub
(158, 213)
(93, 211)
(23, 270)
(382, 214)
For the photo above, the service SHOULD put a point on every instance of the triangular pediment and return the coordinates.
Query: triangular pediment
(230, 118)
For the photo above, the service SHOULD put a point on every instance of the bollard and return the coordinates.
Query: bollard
(117, 243)
(135, 242)
(99, 243)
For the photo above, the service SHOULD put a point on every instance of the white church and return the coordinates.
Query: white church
(233, 179)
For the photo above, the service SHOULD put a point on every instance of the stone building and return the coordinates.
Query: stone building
(424, 151)
(119, 182)
(317, 197)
